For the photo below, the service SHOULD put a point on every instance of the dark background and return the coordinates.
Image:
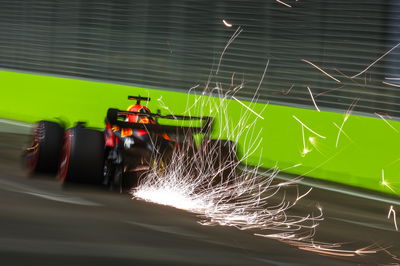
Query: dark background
(176, 44)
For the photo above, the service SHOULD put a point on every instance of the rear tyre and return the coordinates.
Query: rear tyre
(112, 115)
(43, 155)
(82, 159)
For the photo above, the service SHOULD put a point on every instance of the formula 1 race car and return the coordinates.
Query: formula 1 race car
(131, 144)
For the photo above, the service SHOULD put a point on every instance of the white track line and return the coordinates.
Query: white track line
(23, 189)
(15, 123)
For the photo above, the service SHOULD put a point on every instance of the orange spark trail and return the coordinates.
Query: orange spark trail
(312, 98)
(376, 61)
(283, 3)
(320, 69)
(226, 23)
(391, 84)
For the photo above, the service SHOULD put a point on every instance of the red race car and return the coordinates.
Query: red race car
(132, 142)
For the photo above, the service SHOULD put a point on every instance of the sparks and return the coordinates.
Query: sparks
(313, 100)
(385, 183)
(309, 129)
(320, 69)
(293, 166)
(288, 91)
(242, 198)
(241, 202)
(326, 250)
(299, 197)
(339, 132)
(392, 211)
(305, 152)
(261, 80)
(248, 108)
(232, 78)
(345, 118)
(328, 91)
(234, 36)
(226, 23)
(376, 61)
(391, 84)
(392, 78)
(392, 127)
(342, 131)
(283, 3)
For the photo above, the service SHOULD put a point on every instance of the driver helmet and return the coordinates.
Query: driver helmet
(138, 108)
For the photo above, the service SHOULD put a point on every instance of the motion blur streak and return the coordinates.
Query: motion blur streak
(320, 69)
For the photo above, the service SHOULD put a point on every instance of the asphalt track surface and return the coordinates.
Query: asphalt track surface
(42, 223)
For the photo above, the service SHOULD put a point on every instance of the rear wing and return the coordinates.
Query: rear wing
(139, 99)
(113, 116)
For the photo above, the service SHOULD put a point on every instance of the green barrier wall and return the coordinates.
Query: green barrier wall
(366, 146)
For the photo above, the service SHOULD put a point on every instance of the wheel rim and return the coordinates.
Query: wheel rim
(32, 157)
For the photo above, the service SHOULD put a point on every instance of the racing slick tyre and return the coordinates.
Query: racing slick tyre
(112, 115)
(221, 158)
(44, 153)
(82, 159)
